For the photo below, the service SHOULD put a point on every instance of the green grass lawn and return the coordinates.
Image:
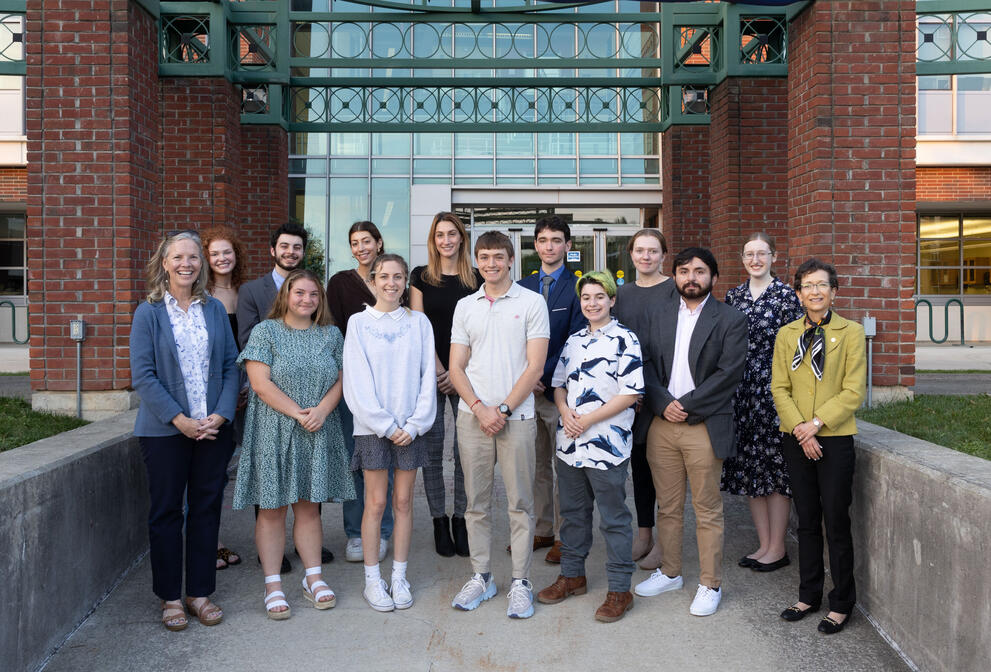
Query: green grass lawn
(959, 422)
(20, 425)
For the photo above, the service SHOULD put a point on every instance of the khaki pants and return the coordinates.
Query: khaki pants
(546, 511)
(513, 449)
(676, 451)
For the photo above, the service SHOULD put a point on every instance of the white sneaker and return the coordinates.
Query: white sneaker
(352, 552)
(706, 601)
(383, 548)
(658, 583)
(377, 596)
(402, 597)
(474, 592)
(520, 599)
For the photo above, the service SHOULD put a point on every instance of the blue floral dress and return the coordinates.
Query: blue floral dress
(759, 469)
(282, 463)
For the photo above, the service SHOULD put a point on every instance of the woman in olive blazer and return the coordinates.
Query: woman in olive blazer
(818, 378)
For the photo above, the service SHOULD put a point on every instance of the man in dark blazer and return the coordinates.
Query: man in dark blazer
(255, 298)
(693, 363)
(552, 241)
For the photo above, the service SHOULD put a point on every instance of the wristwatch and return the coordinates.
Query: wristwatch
(817, 422)
(505, 410)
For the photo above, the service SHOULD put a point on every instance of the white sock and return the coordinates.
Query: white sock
(372, 574)
(398, 570)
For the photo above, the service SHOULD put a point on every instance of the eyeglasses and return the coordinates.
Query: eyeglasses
(761, 254)
(821, 286)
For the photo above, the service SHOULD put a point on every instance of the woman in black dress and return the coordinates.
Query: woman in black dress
(758, 470)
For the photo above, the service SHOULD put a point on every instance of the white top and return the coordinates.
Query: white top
(497, 331)
(681, 382)
(594, 367)
(192, 342)
(390, 379)
(278, 279)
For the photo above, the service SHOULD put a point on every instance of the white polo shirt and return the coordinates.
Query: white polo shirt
(497, 332)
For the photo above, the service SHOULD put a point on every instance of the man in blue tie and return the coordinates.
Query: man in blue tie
(552, 240)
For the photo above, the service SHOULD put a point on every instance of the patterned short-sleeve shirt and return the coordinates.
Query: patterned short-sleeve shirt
(594, 367)
(192, 341)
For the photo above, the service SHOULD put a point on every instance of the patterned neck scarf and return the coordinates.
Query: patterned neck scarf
(813, 340)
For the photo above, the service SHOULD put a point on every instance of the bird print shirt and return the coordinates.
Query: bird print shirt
(594, 367)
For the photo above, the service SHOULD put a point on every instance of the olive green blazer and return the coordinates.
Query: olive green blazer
(799, 397)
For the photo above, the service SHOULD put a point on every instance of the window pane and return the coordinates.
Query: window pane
(934, 82)
(349, 144)
(308, 166)
(977, 253)
(390, 166)
(939, 226)
(473, 166)
(390, 144)
(976, 280)
(349, 166)
(11, 253)
(308, 203)
(934, 38)
(598, 166)
(972, 37)
(618, 260)
(308, 144)
(473, 144)
(514, 166)
(432, 144)
(514, 144)
(348, 204)
(390, 211)
(641, 166)
(977, 227)
(973, 103)
(556, 167)
(11, 281)
(597, 143)
(556, 144)
(431, 166)
(935, 112)
(11, 225)
(939, 281)
(639, 143)
(939, 252)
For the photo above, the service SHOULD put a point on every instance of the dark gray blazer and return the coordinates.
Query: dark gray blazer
(716, 357)
(254, 300)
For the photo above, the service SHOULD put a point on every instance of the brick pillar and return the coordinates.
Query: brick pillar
(92, 125)
(265, 191)
(201, 152)
(851, 165)
(748, 143)
(685, 184)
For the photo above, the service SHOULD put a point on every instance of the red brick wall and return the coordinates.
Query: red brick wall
(937, 183)
(14, 184)
(685, 184)
(749, 171)
(89, 97)
(264, 189)
(851, 163)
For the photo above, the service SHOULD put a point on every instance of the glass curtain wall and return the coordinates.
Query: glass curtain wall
(339, 178)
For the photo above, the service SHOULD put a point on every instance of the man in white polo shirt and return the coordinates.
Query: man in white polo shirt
(498, 347)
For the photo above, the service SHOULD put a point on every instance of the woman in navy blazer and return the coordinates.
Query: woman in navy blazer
(183, 367)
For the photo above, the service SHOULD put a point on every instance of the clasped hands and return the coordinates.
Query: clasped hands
(205, 429)
(805, 433)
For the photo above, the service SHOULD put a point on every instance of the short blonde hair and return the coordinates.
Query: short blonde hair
(158, 279)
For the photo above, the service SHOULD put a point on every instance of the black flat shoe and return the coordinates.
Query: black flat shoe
(828, 626)
(746, 561)
(286, 565)
(459, 531)
(443, 543)
(770, 566)
(793, 614)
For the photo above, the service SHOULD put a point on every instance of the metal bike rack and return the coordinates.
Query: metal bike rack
(946, 319)
(13, 322)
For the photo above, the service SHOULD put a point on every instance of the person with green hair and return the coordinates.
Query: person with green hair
(597, 380)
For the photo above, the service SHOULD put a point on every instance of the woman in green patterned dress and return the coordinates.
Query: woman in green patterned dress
(293, 449)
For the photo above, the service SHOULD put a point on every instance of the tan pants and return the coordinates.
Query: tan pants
(676, 451)
(513, 449)
(546, 510)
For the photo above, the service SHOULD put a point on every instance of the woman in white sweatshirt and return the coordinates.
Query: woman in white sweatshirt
(390, 386)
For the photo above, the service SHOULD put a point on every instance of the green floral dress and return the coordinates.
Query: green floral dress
(281, 462)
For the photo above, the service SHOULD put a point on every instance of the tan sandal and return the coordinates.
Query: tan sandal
(204, 610)
(174, 616)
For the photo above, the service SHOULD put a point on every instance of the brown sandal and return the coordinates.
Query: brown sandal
(204, 610)
(174, 616)
(224, 555)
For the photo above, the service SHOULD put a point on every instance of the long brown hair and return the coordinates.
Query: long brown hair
(212, 235)
(432, 273)
(158, 279)
(321, 316)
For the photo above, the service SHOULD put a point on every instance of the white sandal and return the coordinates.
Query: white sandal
(317, 590)
(276, 599)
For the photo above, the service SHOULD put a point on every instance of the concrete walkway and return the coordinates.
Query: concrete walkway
(658, 634)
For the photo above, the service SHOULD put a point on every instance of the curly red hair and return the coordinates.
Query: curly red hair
(213, 234)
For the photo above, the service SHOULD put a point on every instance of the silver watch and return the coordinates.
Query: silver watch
(817, 422)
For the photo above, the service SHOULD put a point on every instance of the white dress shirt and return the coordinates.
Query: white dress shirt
(681, 382)
(192, 342)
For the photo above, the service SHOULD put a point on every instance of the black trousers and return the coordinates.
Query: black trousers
(822, 491)
(644, 497)
(176, 465)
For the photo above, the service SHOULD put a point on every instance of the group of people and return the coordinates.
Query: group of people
(567, 383)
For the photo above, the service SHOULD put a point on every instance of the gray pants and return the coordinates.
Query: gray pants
(433, 473)
(578, 489)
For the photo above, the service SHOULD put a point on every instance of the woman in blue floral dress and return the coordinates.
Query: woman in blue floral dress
(758, 470)
(293, 451)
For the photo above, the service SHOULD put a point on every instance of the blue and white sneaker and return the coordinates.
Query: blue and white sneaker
(473, 593)
(520, 599)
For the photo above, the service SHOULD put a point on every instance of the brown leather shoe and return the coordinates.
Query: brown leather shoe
(538, 542)
(554, 555)
(615, 606)
(562, 588)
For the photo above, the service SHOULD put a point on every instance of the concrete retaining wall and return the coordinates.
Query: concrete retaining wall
(74, 517)
(922, 533)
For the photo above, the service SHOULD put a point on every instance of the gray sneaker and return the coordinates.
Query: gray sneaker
(520, 599)
(473, 593)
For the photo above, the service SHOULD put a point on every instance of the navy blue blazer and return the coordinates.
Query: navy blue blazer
(157, 377)
(565, 312)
